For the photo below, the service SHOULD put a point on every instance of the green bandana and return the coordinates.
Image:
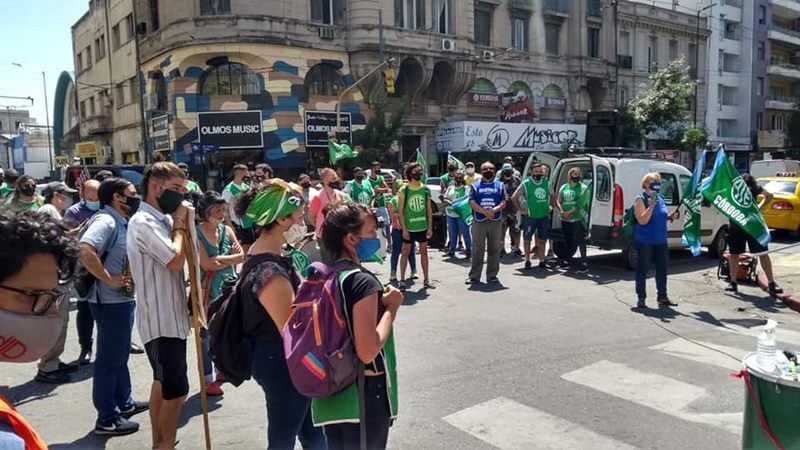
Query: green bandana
(275, 202)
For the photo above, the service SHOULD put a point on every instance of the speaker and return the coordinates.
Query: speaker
(603, 129)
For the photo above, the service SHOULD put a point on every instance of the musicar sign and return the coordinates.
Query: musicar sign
(230, 129)
(470, 136)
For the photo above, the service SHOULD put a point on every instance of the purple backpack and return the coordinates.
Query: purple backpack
(316, 339)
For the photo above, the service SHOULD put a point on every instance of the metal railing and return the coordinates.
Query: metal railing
(784, 98)
(775, 61)
(556, 6)
(783, 29)
(525, 5)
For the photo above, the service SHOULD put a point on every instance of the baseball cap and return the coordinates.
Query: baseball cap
(57, 186)
(183, 165)
(507, 166)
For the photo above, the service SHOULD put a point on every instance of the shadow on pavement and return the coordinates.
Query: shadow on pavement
(665, 314)
(90, 440)
(31, 390)
(487, 287)
(192, 407)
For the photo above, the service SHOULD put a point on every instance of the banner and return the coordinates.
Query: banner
(230, 129)
(421, 160)
(472, 136)
(731, 196)
(464, 209)
(693, 201)
(459, 165)
(320, 124)
(338, 152)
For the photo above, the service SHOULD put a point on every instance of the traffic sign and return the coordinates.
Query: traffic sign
(204, 148)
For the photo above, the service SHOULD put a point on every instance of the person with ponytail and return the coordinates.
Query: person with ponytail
(268, 286)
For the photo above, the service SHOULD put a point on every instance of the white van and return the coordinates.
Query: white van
(615, 184)
(772, 167)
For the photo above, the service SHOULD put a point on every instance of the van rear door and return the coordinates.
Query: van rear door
(558, 177)
(602, 206)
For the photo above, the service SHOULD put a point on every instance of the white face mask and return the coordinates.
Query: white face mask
(470, 170)
(25, 337)
(294, 234)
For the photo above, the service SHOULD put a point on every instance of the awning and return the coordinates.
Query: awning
(504, 137)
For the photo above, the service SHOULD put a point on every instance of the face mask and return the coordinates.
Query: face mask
(305, 185)
(133, 204)
(470, 170)
(507, 174)
(67, 201)
(246, 179)
(459, 181)
(28, 190)
(416, 176)
(169, 201)
(367, 248)
(214, 221)
(451, 170)
(359, 177)
(25, 337)
(576, 179)
(655, 187)
(488, 174)
(91, 206)
(537, 177)
(335, 184)
(294, 234)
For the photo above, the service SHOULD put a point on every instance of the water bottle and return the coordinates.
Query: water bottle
(765, 355)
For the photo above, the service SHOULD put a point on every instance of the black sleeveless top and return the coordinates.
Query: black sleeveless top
(256, 273)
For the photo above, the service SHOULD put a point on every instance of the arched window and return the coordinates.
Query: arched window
(323, 79)
(229, 79)
(484, 86)
(520, 86)
(552, 91)
(160, 90)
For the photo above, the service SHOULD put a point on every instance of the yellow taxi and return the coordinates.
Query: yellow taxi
(783, 211)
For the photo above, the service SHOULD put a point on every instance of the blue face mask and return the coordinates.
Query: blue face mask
(655, 187)
(367, 248)
(92, 206)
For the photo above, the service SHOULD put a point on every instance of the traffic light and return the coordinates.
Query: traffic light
(388, 78)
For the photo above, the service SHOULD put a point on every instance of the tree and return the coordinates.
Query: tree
(379, 132)
(793, 134)
(691, 139)
(632, 133)
(665, 101)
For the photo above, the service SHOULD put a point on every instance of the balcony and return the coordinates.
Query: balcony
(784, 34)
(558, 8)
(594, 9)
(98, 124)
(783, 68)
(781, 102)
(625, 61)
(789, 9)
(523, 5)
(734, 3)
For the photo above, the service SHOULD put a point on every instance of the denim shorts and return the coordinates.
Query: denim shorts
(539, 227)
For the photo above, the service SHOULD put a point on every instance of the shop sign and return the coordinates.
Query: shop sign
(160, 133)
(230, 129)
(89, 149)
(517, 108)
(483, 99)
(555, 103)
(770, 139)
(471, 136)
(61, 161)
(319, 124)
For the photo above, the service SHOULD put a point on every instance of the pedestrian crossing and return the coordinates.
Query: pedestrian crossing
(506, 423)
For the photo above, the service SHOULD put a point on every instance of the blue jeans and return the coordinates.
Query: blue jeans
(111, 384)
(658, 254)
(288, 412)
(208, 365)
(456, 226)
(397, 249)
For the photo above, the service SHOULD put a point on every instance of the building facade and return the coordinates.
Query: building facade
(781, 90)
(106, 84)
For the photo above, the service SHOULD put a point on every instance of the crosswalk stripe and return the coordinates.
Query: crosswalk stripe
(509, 425)
(783, 336)
(693, 352)
(658, 392)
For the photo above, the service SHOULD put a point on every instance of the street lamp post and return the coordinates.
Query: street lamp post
(50, 148)
(697, 58)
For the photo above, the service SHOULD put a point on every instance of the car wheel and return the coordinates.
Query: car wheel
(719, 244)
(630, 257)
(560, 249)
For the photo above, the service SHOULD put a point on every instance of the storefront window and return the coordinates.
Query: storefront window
(484, 86)
(230, 79)
(323, 79)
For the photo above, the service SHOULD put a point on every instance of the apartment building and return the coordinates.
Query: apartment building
(106, 84)
(781, 87)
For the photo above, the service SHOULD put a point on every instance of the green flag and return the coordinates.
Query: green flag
(338, 152)
(729, 193)
(464, 210)
(584, 206)
(693, 200)
(300, 261)
(421, 160)
(452, 159)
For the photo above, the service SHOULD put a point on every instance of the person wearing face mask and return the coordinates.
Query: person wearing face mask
(191, 186)
(57, 199)
(532, 199)
(416, 221)
(510, 214)
(572, 206)
(330, 193)
(10, 177)
(470, 176)
(242, 225)
(370, 311)
(487, 198)
(457, 228)
(112, 304)
(262, 173)
(269, 282)
(24, 195)
(156, 240)
(36, 254)
(382, 195)
(360, 189)
(650, 239)
(304, 181)
(219, 253)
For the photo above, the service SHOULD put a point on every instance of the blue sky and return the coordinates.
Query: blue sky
(36, 34)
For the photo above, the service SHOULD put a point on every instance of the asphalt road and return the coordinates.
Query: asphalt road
(546, 359)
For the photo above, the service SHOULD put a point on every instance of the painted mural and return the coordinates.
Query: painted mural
(282, 95)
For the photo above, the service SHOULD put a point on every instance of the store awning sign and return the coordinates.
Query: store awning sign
(89, 149)
(230, 129)
(319, 124)
(160, 133)
(469, 136)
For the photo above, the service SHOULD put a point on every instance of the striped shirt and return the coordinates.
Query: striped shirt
(161, 308)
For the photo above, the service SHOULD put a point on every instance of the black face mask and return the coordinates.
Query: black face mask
(28, 190)
(459, 181)
(416, 176)
(335, 184)
(576, 179)
(133, 204)
(488, 174)
(359, 177)
(305, 185)
(536, 177)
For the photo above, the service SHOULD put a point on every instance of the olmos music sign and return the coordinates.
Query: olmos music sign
(230, 129)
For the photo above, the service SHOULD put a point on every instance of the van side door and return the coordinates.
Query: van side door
(602, 204)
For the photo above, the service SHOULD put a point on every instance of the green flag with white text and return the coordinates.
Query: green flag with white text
(338, 152)
(730, 195)
(693, 200)
(421, 160)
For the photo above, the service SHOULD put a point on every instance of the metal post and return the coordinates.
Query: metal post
(355, 85)
(696, 62)
(47, 122)
(140, 80)
(616, 52)
(380, 28)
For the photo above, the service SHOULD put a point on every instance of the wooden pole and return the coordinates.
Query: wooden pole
(197, 310)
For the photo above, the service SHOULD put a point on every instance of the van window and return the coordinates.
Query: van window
(602, 185)
(686, 183)
(669, 189)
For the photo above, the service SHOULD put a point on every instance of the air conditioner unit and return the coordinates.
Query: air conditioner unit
(150, 102)
(448, 45)
(487, 56)
(327, 33)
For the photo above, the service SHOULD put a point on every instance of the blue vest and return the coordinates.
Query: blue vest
(487, 196)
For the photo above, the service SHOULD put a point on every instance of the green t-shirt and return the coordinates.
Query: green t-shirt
(19, 204)
(380, 199)
(361, 193)
(235, 192)
(537, 197)
(570, 197)
(454, 193)
(191, 186)
(5, 190)
(416, 208)
(445, 180)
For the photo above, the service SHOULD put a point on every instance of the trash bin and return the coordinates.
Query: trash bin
(774, 398)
